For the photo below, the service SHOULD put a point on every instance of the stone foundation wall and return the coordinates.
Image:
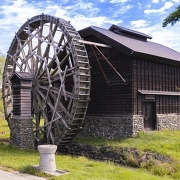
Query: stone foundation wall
(168, 121)
(138, 124)
(21, 132)
(112, 127)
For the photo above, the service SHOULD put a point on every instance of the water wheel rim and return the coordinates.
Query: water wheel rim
(32, 51)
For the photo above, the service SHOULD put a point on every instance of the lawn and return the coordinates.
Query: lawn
(164, 142)
(79, 168)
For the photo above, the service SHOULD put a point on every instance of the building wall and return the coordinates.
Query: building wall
(116, 108)
(168, 121)
(155, 76)
(110, 96)
(112, 127)
(125, 125)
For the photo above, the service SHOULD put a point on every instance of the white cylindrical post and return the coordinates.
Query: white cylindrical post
(47, 158)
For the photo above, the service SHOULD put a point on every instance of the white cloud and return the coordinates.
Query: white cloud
(167, 5)
(122, 10)
(87, 8)
(155, 1)
(118, 1)
(148, 6)
(14, 13)
(176, 1)
(166, 36)
(139, 5)
(139, 23)
(80, 21)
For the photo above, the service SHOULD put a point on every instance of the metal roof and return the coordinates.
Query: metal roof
(133, 47)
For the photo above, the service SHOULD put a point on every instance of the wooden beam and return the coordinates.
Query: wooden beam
(45, 116)
(94, 43)
(14, 55)
(110, 64)
(100, 65)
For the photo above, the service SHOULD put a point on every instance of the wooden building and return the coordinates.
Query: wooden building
(149, 99)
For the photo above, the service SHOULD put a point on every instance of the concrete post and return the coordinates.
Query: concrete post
(47, 158)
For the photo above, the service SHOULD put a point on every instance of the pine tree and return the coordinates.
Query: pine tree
(172, 18)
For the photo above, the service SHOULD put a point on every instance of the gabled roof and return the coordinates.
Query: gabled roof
(22, 75)
(132, 46)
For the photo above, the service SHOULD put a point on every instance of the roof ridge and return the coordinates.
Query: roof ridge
(126, 31)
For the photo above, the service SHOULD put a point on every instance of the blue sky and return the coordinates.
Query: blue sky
(141, 15)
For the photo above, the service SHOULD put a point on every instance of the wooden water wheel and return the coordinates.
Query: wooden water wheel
(49, 50)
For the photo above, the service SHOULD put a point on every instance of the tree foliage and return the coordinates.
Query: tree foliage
(172, 18)
(2, 62)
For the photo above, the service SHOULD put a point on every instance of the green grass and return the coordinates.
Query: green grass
(165, 142)
(78, 168)
(4, 129)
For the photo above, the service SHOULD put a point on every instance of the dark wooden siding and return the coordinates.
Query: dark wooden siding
(21, 96)
(116, 98)
(156, 76)
(113, 98)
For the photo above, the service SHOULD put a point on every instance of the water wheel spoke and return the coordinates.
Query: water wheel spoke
(69, 95)
(45, 40)
(24, 56)
(65, 111)
(55, 77)
(50, 64)
(39, 64)
(47, 49)
(52, 108)
(26, 63)
(31, 51)
(65, 59)
(50, 83)
(62, 87)
(37, 124)
(49, 103)
(54, 71)
(45, 116)
(20, 49)
(61, 39)
(59, 95)
(35, 61)
(40, 33)
(15, 63)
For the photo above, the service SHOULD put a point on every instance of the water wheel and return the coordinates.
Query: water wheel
(49, 50)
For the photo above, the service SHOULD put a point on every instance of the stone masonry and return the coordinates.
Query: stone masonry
(21, 132)
(112, 127)
(168, 121)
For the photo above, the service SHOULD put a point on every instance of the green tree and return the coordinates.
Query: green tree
(172, 18)
(2, 61)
